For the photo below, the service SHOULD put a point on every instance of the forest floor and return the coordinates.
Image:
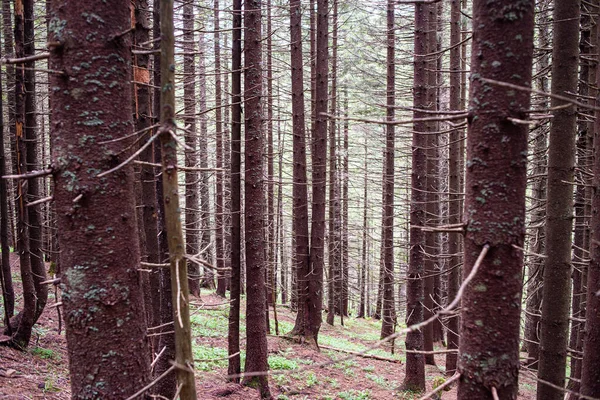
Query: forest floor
(42, 371)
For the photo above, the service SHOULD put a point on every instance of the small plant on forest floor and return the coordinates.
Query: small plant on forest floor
(409, 395)
(279, 362)
(46, 354)
(333, 383)
(49, 386)
(311, 379)
(281, 379)
(369, 368)
(381, 381)
(355, 395)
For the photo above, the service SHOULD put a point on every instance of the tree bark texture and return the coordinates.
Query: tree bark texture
(101, 295)
(415, 363)
(495, 199)
(254, 195)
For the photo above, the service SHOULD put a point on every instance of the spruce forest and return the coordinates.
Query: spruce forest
(303, 199)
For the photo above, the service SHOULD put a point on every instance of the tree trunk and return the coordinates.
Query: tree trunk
(364, 265)
(233, 337)
(454, 172)
(192, 226)
(167, 387)
(143, 120)
(101, 296)
(208, 279)
(219, 219)
(415, 363)
(319, 172)
(301, 268)
(178, 266)
(388, 314)
(8, 292)
(556, 292)
(25, 320)
(334, 282)
(590, 373)
(256, 329)
(491, 303)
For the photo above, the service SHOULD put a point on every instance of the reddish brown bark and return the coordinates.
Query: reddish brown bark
(102, 299)
(300, 212)
(495, 199)
(254, 196)
(454, 173)
(590, 373)
(388, 312)
(219, 209)
(233, 335)
(415, 363)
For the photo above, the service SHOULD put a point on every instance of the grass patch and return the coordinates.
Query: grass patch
(355, 395)
(279, 362)
(46, 354)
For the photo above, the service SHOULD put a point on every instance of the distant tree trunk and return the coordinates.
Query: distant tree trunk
(301, 268)
(388, 314)
(8, 292)
(219, 211)
(334, 282)
(102, 298)
(319, 173)
(590, 373)
(233, 344)
(344, 183)
(454, 172)
(538, 215)
(208, 279)
(167, 387)
(8, 33)
(192, 226)
(280, 223)
(271, 255)
(492, 184)
(379, 301)
(25, 320)
(38, 269)
(433, 206)
(556, 292)
(256, 329)
(415, 363)
(581, 239)
(364, 265)
(143, 120)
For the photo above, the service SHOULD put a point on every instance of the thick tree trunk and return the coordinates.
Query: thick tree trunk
(556, 292)
(487, 334)
(101, 297)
